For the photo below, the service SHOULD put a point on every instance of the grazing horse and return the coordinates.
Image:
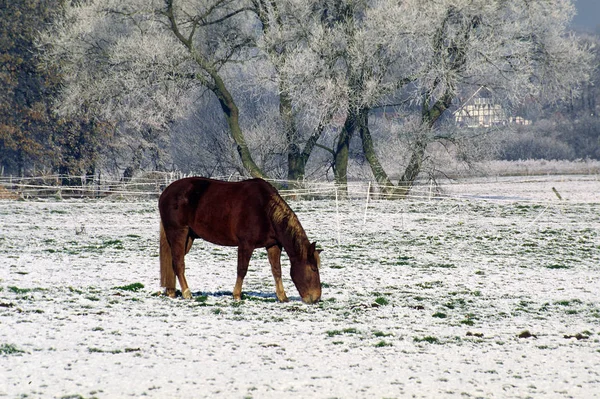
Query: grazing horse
(249, 214)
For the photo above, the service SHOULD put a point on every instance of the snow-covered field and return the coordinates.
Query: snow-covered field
(492, 292)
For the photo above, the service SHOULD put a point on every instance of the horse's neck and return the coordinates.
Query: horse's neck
(295, 244)
(288, 228)
(292, 236)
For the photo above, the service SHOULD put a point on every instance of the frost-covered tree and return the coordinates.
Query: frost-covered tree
(331, 63)
(147, 64)
(140, 63)
(282, 33)
(351, 56)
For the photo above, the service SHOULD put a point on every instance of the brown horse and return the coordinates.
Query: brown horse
(248, 214)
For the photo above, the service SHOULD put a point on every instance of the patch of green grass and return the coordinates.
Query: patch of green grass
(98, 350)
(10, 349)
(382, 344)
(469, 319)
(429, 339)
(130, 350)
(18, 290)
(458, 302)
(134, 287)
(333, 333)
(118, 244)
(563, 303)
(201, 298)
(58, 211)
(381, 334)
(75, 249)
(427, 285)
(382, 301)
(404, 260)
(440, 315)
(259, 299)
(557, 266)
(545, 307)
(444, 265)
(74, 290)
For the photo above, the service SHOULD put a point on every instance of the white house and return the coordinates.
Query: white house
(482, 112)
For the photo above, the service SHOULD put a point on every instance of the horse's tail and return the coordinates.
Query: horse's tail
(167, 274)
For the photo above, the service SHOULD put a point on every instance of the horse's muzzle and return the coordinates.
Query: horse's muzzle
(311, 299)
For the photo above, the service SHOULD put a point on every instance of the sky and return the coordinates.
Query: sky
(588, 15)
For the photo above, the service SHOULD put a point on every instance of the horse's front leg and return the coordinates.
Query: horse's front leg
(244, 255)
(274, 254)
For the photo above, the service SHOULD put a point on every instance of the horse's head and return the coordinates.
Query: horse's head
(305, 275)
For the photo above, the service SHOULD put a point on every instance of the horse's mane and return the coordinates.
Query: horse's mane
(282, 214)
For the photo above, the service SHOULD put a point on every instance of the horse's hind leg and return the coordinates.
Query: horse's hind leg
(244, 255)
(180, 245)
(274, 254)
(167, 272)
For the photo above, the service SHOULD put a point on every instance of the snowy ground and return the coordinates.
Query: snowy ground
(491, 292)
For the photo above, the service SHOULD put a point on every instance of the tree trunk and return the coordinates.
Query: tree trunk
(429, 116)
(413, 168)
(217, 86)
(383, 181)
(297, 158)
(232, 114)
(341, 153)
(296, 165)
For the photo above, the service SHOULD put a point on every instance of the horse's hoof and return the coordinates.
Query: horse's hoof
(187, 294)
(170, 292)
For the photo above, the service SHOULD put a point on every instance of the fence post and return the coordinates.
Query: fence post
(337, 211)
(367, 204)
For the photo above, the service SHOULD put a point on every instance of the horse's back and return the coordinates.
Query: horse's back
(191, 190)
(218, 211)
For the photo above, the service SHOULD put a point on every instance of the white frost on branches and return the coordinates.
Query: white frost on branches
(121, 60)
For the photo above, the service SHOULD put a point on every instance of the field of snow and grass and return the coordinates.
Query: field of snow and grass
(492, 291)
